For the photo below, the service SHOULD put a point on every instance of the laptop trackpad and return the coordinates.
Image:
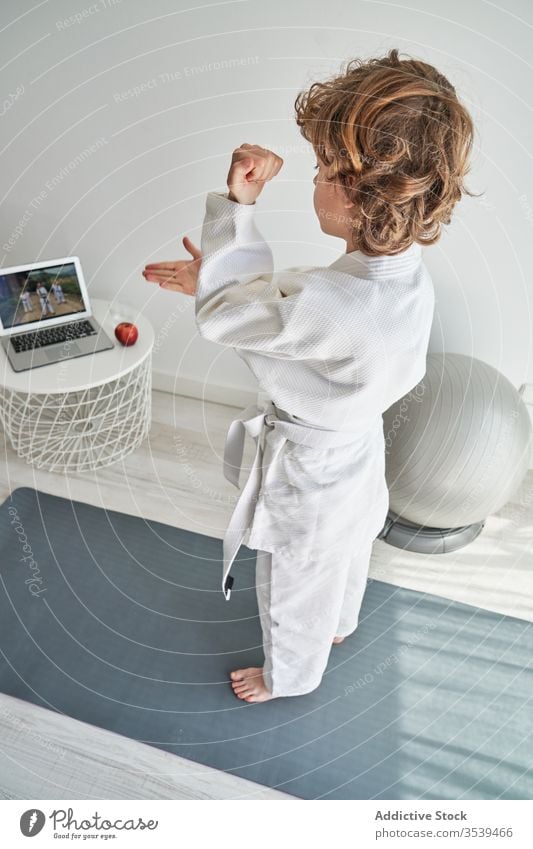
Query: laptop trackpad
(73, 350)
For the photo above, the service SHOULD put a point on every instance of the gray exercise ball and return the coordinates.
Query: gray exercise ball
(457, 446)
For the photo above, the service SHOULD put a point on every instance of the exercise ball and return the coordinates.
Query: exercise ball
(457, 446)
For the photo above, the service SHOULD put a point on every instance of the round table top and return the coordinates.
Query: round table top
(91, 370)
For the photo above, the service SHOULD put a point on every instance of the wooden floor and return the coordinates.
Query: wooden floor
(176, 477)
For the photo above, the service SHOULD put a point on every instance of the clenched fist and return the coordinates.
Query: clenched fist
(251, 167)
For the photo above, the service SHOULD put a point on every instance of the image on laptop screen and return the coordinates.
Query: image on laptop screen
(39, 294)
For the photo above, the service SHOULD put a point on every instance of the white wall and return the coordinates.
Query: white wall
(155, 154)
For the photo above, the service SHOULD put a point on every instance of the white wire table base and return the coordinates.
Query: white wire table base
(80, 430)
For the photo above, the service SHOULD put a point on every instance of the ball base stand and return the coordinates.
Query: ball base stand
(425, 540)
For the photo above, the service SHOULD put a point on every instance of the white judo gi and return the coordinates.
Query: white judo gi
(333, 347)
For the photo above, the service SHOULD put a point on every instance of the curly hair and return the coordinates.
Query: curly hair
(395, 136)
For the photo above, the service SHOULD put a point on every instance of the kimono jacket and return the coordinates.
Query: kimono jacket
(333, 347)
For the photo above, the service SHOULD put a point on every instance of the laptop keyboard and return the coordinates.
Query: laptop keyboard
(52, 335)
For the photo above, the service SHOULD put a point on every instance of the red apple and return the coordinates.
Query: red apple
(126, 333)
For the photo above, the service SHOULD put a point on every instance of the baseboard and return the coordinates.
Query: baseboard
(231, 396)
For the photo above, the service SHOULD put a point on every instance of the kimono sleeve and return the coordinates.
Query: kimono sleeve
(238, 300)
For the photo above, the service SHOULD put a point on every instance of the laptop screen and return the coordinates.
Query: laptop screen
(40, 294)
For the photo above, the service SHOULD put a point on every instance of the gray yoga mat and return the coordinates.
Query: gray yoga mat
(124, 626)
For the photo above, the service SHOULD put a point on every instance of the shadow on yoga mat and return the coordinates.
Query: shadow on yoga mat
(121, 623)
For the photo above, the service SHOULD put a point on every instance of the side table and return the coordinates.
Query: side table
(84, 413)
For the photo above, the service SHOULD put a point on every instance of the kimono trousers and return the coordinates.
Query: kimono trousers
(333, 347)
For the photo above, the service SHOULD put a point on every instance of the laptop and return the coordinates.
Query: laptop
(45, 315)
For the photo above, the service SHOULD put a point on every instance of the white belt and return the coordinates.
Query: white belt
(254, 420)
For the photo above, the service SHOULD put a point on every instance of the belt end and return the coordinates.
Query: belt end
(228, 583)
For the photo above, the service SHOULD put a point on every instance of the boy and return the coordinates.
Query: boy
(26, 301)
(334, 347)
(44, 299)
(58, 293)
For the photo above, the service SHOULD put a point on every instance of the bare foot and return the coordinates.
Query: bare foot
(337, 640)
(248, 684)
